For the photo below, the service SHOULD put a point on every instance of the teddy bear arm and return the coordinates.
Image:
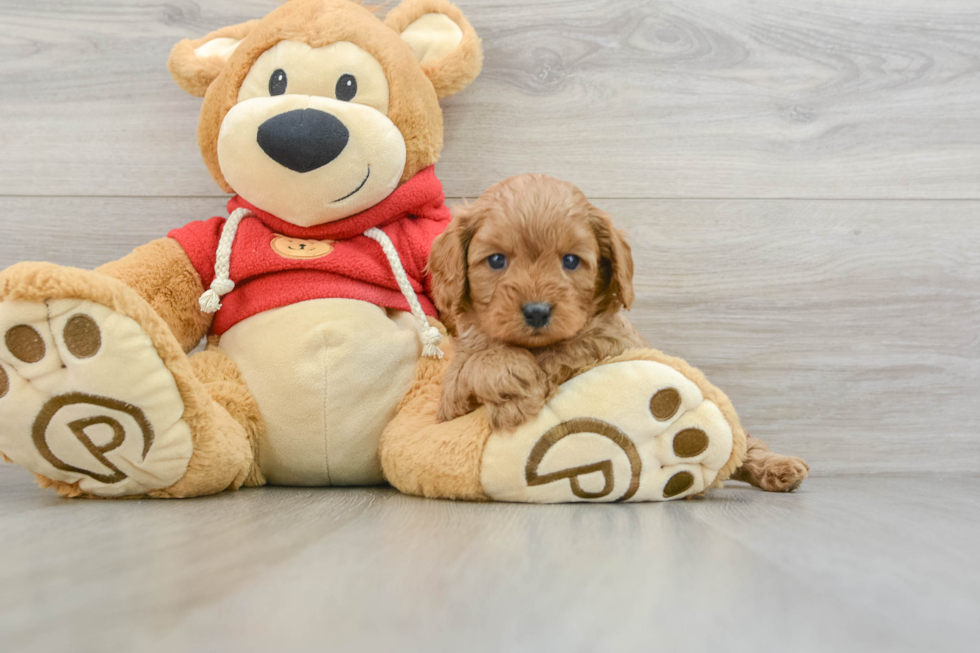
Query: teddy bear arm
(164, 276)
(423, 457)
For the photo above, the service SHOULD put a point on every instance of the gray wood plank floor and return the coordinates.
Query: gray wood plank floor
(801, 183)
(846, 564)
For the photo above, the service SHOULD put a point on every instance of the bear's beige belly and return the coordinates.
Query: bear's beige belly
(327, 375)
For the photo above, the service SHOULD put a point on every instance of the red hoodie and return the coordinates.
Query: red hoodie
(352, 266)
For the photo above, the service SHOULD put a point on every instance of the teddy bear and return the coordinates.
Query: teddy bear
(324, 352)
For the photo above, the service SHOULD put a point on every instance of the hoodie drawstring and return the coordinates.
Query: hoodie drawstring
(428, 334)
(210, 301)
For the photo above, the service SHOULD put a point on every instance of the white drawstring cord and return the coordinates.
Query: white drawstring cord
(222, 285)
(428, 334)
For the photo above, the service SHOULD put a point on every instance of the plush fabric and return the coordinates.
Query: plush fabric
(314, 373)
(311, 159)
(454, 71)
(221, 455)
(154, 291)
(327, 385)
(604, 441)
(413, 106)
(112, 408)
(432, 37)
(354, 268)
(465, 459)
(420, 456)
(193, 73)
(163, 276)
(223, 380)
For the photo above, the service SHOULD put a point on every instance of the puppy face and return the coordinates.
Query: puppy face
(530, 263)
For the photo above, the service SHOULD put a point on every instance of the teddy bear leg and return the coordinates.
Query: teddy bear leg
(97, 397)
(224, 453)
(224, 382)
(422, 457)
(642, 426)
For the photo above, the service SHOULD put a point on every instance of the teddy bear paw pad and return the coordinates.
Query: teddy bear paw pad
(85, 398)
(627, 431)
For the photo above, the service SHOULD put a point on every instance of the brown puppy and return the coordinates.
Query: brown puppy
(531, 278)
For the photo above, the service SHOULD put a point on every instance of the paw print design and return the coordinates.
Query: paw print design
(635, 430)
(85, 398)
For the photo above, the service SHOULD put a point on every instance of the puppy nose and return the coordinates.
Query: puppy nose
(303, 139)
(536, 314)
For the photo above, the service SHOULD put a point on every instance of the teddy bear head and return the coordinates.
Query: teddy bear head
(320, 110)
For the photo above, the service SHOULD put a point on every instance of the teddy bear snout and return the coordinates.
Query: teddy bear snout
(303, 139)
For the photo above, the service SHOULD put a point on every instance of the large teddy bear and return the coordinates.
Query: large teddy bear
(325, 354)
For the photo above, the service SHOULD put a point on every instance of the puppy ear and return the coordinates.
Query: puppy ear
(448, 265)
(443, 41)
(194, 64)
(615, 285)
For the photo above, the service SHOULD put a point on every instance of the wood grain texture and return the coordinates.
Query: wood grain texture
(842, 321)
(86, 232)
(679, 98)
(843, 331)
(845, 564)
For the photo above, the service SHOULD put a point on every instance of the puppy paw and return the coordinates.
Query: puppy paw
(783, 473)
(453, 404)
(514, 390)
(509, 415)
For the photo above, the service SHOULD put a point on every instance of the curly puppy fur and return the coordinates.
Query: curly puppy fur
(768, 470)
(503, 361)
(509, 250)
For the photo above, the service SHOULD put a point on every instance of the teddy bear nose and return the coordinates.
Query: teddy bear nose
(536, 314)
(303, 139)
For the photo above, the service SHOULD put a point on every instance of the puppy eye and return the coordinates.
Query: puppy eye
(570, 261)
(277, 83)
(346, 88)
(497, 261)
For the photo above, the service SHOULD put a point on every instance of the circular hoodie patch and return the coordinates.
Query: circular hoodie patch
(300, 248)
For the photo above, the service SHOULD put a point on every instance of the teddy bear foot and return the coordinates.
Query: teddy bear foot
(630, 430)
(85, 399)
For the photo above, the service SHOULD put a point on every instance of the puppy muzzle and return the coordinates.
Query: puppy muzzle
(536, 314)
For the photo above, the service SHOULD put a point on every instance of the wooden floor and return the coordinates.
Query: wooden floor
(801, 184)
(884, 563)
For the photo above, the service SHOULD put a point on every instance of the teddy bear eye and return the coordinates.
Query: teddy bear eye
(570, 261)
(346, 88)
(277, 83)
(497, 261)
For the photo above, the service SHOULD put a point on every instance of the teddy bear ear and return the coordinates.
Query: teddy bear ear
(194, 64)
(443, 41)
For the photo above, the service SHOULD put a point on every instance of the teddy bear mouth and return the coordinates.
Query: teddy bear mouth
(360, 186)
